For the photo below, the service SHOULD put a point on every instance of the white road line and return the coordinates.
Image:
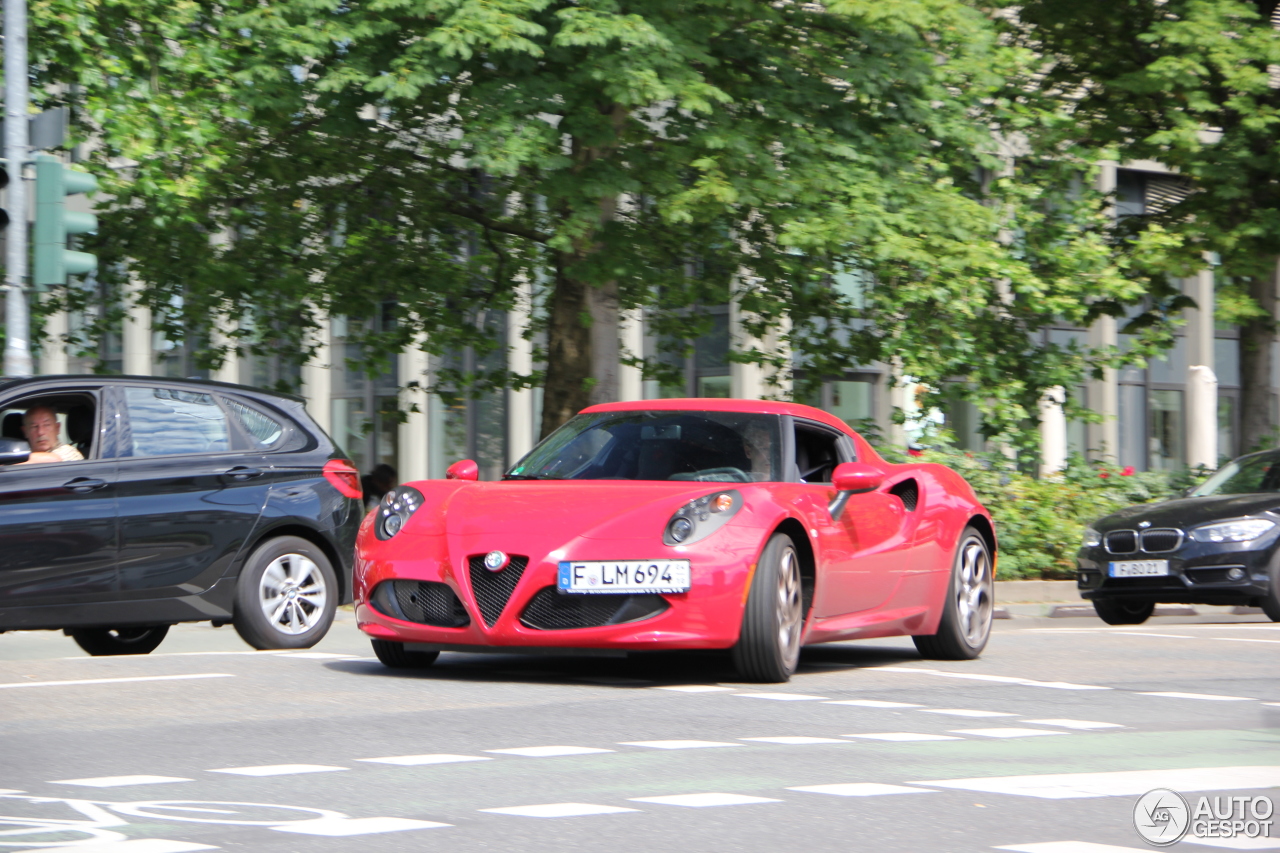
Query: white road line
(278, 769)
(902, 736)
(1207, 696)
(419, 760)
(137, 845)
(1064, 786)
(559, 810)
(119, 781)
(782, 697)
(1006, 679)
(1238, 843)
(14, 685)
(702, 801)
(548, 751)
(343, 827)
(10, 791)
(694, 688)
(965, 712)
(1083, 725)
(860, 789)
(1238, 639)
(677, 744)
(317, 656)
(871, 703)
(1153, 634)
(1069, 847)
(1006, 732)
(793, 740)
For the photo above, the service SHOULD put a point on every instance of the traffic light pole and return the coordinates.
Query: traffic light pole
(17, 342)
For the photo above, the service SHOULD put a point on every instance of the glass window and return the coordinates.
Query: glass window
(1259, 472)
(1132, 420)
(262, 430)
(1172, 367)
(1226, 427)
(713, 447)
(1165, 431)
(851, 402)
(713, 386)
(167, 421)
(1226, 361)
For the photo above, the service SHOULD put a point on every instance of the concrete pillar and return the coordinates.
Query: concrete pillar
(53, 351)
(1202, 384)
(521, 430)
(631, 337)
(138, 355)
(316, 379)
(229, 371)
(899, 401)
(414, 433)
(1053, 431)
(1104, 393)
(755, 381)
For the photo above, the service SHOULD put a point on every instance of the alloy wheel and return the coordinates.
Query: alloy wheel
(293, 594)
(790, 607)
(973, 591)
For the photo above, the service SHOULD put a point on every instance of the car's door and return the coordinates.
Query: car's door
(189, 493)
(859, 553)
(58, 534)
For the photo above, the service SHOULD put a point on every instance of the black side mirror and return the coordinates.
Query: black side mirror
(13, 451)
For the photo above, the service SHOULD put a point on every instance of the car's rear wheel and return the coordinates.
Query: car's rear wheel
(965, 625)
(768, 648)
(120, 641)
(394, 655)
(286, 596)
(1118, 611)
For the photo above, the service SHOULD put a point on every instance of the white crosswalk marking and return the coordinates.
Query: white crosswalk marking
(137, 845)
(278, 769)
(1005, 732)
(871, 703)
(794, 740)
(119, 781)
(343, 827)
(1083, 725)
(965, 712)
(860, 789)
(1062, 786)
(903, 736)
(1207, 696)
(678, 744)
(702, 801)
(419, 760)
(782, 697)
(548, 751)
(558, 810)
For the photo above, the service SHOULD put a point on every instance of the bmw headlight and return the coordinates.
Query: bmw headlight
(1233, 531)
(1092, 538)
(394, 510)
(701, 517)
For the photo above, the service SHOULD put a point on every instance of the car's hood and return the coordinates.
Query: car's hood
(1187, 512)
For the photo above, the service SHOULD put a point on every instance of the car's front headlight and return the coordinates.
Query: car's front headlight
(1233, 531)
(1092, 538)
(394, 510)
(701, 517)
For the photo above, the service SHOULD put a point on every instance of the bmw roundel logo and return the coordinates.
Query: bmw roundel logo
(1144, 524)
(496, 561)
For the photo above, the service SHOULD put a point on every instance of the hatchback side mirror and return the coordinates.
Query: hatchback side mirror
(13, 451)
(851, 478)
(465, 469)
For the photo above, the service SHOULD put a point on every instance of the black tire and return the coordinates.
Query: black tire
(768, 648)
(120, 641)
(1120, 611)
(393, 655)
(286, 596)
(965, 625)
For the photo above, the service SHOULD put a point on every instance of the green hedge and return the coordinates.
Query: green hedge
(1040, 522)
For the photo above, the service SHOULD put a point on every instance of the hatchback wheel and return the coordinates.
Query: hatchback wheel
(286, 596)
(768, 648)
(967, 612)
(120, 641)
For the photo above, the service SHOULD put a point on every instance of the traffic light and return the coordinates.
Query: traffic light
(53, 261)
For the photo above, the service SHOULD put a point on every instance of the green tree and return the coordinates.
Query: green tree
(1193, 84)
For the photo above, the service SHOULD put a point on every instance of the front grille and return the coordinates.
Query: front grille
(493, 589)
(1161, 539)
(424, 602)
(550, 610)
(1122, 541)
(1212, 574)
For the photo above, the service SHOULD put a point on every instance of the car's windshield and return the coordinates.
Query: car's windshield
(1259, 472)
(716, 447)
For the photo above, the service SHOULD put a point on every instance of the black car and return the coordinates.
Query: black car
(194, 502)
(1217, 545)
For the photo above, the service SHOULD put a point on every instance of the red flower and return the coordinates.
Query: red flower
(1127, 472)
(1104, 475)
(911, 451)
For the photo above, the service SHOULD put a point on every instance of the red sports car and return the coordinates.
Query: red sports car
(681, 524)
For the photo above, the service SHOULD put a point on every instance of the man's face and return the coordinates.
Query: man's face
(41, 428)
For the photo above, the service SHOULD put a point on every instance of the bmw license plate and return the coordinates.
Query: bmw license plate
(1139, 569)
(601, 576)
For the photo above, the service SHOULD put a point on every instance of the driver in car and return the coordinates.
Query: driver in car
(44, 434)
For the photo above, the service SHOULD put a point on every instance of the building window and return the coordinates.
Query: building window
(473, 427)
(1165, 430)
(365, 410)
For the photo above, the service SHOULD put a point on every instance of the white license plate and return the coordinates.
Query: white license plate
(602, 576)
(1139, 569)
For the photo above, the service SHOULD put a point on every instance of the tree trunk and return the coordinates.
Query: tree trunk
(1257, 421)
(582, 350)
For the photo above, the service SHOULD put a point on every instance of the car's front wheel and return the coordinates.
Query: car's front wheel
(395, 655)
(119, 641)
(1118, 611)
(286, 596)
(969, 608)
(768, 648)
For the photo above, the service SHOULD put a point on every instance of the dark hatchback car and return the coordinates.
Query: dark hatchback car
(194, 502)
(1218, 545)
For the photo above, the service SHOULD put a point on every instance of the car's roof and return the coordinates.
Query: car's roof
(720, 404)
(7, 382)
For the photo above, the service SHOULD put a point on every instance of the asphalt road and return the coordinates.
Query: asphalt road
(206, 745)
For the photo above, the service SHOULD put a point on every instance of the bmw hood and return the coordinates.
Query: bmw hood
(1189, 512)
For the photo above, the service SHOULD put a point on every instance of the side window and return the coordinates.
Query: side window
(263, 431)
(167, 421)
(818, 452)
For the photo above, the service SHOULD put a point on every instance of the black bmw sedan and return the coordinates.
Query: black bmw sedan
(129, 504)
(1217, 545)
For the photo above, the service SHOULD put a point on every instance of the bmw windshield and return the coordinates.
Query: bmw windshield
(712, 447)
(1258, 472)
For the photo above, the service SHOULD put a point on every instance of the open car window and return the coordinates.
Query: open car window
(76, 413)
(714, 447)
